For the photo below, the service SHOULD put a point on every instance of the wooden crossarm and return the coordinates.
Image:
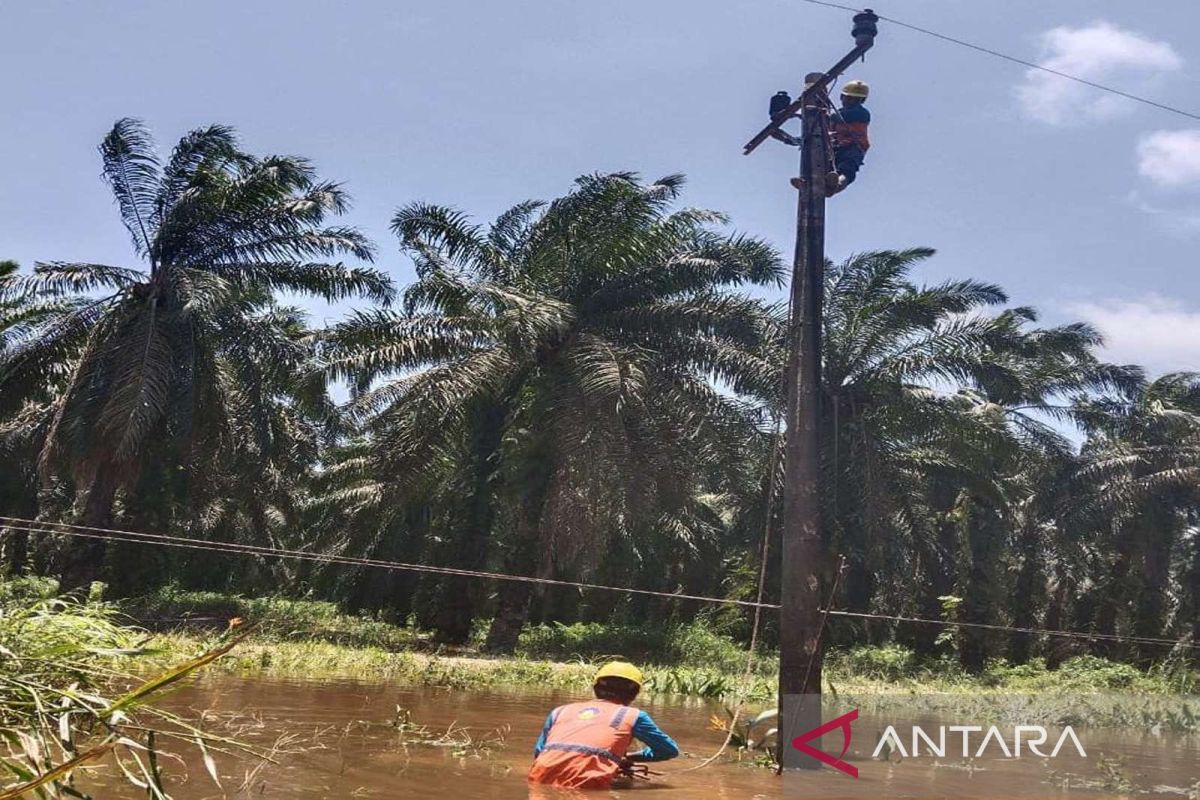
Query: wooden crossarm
(797, 104)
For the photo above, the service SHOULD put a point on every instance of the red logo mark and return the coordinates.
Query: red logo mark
(801, 743)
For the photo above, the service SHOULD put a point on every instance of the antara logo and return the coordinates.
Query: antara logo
(1032, 736)
(801, 743)
(1029, 737)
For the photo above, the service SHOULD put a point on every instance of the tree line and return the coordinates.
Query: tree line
(587, 388)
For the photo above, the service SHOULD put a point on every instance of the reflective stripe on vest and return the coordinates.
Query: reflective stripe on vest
(600, 728)
(617, 717)
(585, 749)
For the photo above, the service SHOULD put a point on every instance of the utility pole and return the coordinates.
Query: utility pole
(803, 556)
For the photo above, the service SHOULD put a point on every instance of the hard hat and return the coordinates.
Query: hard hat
(620, 669)
(813, 77)
(856, 89)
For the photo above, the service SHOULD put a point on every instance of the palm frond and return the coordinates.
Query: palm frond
(132, 171)
(63, 279)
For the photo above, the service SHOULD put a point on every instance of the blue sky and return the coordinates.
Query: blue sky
(1079, 203)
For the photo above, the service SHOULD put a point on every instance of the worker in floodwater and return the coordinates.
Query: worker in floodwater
(586, 745)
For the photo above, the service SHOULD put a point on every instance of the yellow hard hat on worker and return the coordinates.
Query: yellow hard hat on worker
(856, 89)
(620, 669)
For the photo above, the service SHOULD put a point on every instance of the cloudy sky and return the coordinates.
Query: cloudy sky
(1078, 202)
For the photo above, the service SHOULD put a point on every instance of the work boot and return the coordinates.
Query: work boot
(833, 183)
(797, 183)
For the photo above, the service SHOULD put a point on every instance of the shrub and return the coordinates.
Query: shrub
(683, 645)
(274, 617)
(890, 662)
(1098, 673)
(65, 699)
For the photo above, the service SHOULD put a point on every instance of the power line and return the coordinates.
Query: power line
(1030, 64)
(164, 540)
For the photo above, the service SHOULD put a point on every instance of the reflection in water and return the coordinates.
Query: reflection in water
(351, 747)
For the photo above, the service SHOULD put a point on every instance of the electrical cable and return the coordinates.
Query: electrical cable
(764, 548)
(164, 540)
(1014, 59)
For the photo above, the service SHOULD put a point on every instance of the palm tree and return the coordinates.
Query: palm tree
(933, 409)
(168, 360)
(24, 314)
(561, 359)
(1140, 478)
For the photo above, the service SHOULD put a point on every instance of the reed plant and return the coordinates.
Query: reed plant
(72, 698)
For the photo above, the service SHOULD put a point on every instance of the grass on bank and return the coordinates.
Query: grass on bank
(296, 638)
(303, 637)
(75, 693)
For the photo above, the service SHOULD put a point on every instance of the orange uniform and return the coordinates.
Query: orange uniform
(850, 126)
(585, 745)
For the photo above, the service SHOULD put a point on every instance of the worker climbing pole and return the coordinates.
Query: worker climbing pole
(803, 556)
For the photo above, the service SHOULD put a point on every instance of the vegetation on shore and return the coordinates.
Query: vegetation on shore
(77, 689)
(581, 388)
(79, 680)
(313, 638)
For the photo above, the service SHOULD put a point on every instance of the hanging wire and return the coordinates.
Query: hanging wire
(1015, 60)
(764, 548)
(227, 548)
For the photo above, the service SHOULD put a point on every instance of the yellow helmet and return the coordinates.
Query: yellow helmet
(620, 669)
(856, 89)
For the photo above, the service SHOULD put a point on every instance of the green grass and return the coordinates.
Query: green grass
(682, 645)
(77, 686)
(309, 638)
(275, 618)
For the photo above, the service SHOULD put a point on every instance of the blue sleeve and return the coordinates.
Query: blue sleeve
(659, 746)
(541, 740)
(857, 113)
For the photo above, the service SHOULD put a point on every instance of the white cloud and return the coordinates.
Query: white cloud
(1098, 52)
(1161, 334)
(1177, 219)
(1170, 158)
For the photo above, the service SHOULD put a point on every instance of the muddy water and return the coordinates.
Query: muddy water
(342, 744)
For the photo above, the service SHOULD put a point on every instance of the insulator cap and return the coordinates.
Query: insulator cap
(779, 102)
(865, 27)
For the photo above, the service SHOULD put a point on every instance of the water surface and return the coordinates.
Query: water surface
(342, 743)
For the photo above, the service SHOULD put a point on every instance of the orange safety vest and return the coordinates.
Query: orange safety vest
(851, 133)
(585, 745)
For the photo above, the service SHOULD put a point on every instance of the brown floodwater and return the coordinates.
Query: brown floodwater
(342, 742)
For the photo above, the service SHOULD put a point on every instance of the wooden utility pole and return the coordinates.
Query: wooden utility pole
(802, 551)
(803, 556)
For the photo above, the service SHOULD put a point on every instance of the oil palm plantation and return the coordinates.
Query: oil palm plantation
(24, 314)
(931, 401)
(1138, 491)
(555, 368)
(169, 361)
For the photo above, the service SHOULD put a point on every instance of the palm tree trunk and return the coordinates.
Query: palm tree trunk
(17, 499)
(940, 569)
(1027, 593)
(1116, 592)
(511, 610)
(1056, 613)
(985, 537)
(1150, 611)
(458, 599)
(18, 552)
(924, 637)
(84, 557)
(512, 605)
